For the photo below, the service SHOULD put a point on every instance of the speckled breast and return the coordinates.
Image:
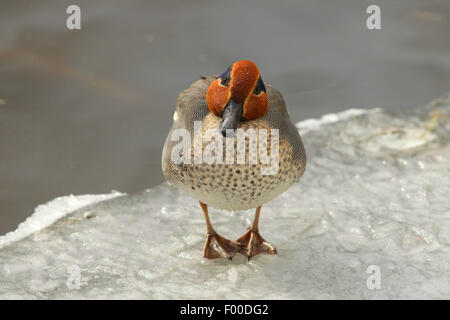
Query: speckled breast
(240, 185)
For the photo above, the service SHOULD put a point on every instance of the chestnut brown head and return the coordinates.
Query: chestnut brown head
(237, 95)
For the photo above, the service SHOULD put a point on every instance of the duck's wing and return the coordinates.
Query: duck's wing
(278, 117)
(191, 104)
(190, 107)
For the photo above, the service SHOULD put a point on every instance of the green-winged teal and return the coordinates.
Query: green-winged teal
(237, 99)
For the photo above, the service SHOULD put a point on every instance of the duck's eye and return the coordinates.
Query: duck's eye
(259, 87)
(225, 77)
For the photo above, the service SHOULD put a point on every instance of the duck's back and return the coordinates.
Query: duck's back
(234, 186)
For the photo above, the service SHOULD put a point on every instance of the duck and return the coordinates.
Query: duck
(230, 112)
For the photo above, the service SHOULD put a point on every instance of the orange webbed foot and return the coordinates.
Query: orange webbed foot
(253, 244)
(220, 247)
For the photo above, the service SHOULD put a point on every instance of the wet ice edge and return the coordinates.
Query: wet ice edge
(46, 214)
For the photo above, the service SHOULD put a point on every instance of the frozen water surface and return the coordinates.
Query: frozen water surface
(376, 192)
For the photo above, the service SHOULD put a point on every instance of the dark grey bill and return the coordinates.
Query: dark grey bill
(231, 117)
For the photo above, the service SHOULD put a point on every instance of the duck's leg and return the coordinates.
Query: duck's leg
(252, 243)
(217, 246)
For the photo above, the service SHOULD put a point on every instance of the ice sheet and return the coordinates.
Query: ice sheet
(375, 196)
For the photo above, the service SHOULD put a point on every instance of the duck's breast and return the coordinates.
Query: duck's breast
(241, 184)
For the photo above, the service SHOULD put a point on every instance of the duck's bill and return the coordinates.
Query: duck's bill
(230, 118)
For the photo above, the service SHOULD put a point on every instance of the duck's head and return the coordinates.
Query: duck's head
(237, 95)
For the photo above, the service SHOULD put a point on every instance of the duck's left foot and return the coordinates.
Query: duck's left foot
(252, 244)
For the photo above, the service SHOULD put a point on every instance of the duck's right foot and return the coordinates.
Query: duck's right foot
(219, 247)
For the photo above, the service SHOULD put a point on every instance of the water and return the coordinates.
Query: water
(88, 111)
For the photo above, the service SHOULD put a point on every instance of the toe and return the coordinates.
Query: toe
(219, 247)
(253, 244)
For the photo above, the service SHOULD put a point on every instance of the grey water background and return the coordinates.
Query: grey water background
(87, 111)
